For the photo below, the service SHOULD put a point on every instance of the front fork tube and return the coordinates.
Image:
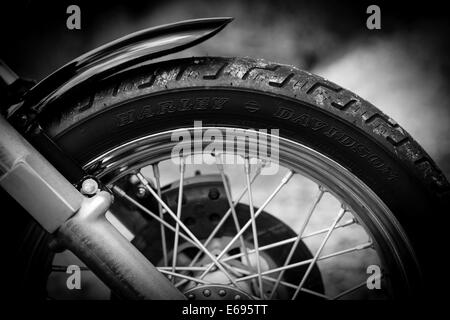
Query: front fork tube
(92, 238)
(77, 222)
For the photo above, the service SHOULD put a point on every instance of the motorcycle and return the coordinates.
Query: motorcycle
(88, 154)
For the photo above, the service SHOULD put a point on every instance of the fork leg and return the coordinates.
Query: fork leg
(91, 237)
(79, 223)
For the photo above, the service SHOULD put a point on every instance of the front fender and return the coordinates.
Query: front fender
(116, 56)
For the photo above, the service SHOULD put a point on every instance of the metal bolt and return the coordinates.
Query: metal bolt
(237, 297)
(222, 293)
(89, 187)
(214, 194)
(191, 296)
(141, 192)
(206, 293)
(23, 119)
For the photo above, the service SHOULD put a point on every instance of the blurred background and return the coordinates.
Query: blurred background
(403, 69)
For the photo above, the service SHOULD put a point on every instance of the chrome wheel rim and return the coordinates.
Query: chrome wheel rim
(356, 198)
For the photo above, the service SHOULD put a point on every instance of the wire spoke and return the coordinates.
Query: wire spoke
(319, 251)
(117, 190)
(179, 275)
(233, 266)
(177, 226)
(221, 222)
(287, 284)
(283, 242)
(353, 289)
(182, 268)
(263, 248)
(285, 180)
(227, 214)
(293, 286)
(156, 174)
(186, 229)
(264, 274)
(325, 230)
(232, 208)
(298, 240)
(255, 232)
(305, 262)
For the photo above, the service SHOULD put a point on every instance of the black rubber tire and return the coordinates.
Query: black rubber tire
(257, 94)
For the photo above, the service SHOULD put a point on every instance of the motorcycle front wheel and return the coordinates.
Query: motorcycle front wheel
(349, 213)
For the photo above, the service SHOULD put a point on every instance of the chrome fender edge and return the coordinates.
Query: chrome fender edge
(117, 56)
